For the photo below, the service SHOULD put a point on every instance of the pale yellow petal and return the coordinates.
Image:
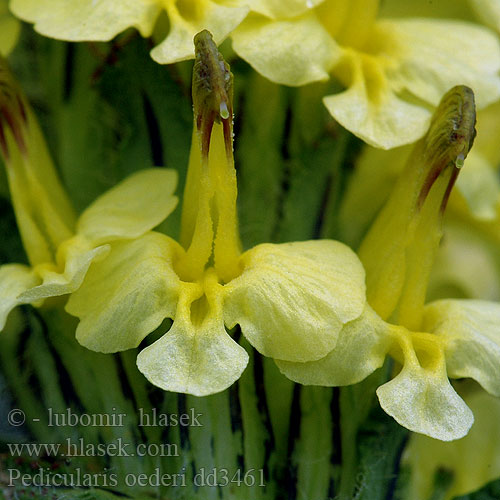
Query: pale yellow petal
(472, 331)
(196, 356)
(408, 61)
(127, 295)
(14, 280)
(361, 349)
(199, 361)
(292, 300)
(189, 18)
(422, 399)
(370, 109)
(283, 9)
(9, 29)
(131, 208)
(435, 55)
(291, 52)
(77, 20)
(473, 460)
(75, 257)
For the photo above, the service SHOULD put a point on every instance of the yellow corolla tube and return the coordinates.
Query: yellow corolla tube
(60, 247)
(290, 300)
(399, 250)
(44, 213)
(446, 338)
(209, 219)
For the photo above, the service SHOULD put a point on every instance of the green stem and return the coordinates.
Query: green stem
(329, 225)
(314, 449)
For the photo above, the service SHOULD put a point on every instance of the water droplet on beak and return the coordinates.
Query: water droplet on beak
(223, 111)
(459, 162)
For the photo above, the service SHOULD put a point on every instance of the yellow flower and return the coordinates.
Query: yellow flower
(467, 265)
(394, 70)
(101, 20)
(476, 198)
(9, 29)
(290, 300)
(468, 260)
(61, 247)
(446, 338)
